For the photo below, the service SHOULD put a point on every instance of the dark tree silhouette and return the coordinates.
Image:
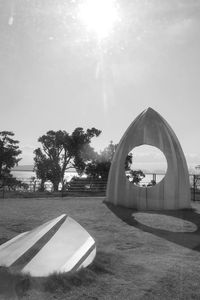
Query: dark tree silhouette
(9, 152)
(128, 161)
(61, 151)
(99, 166)
(135, 176)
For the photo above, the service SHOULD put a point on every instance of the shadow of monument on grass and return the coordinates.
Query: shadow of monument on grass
(190, 240)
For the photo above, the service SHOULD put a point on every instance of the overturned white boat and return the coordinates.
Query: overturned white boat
(60, 245)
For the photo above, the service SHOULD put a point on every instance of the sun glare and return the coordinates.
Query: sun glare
(99, 16)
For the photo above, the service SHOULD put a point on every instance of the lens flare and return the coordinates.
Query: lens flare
(99, 16)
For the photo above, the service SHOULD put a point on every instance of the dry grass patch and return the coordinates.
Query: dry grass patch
(138, 257)
(20, 285)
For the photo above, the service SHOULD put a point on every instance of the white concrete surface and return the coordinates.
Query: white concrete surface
(45, 250)
(173, 192)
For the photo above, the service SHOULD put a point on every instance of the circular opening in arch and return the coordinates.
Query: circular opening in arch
(145, 166)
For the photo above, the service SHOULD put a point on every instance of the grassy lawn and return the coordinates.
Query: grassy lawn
(140, 255)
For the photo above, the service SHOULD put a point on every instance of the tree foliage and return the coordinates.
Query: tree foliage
(9, 152)
(135, 176)
(128, 161)
(10, 183)
(61, 151)
(99, 166)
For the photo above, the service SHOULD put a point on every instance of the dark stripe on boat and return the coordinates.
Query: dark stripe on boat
(27, 256)
(83, 258)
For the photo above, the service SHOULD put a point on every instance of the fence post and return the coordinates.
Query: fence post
(194, 187)
(3, 192)
(154, 177)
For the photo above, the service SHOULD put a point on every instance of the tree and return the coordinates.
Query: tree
(61, 151)
(128, 161)
(99, 166)
(135, 176)
(43, 168)
(9, 152)
(11, 183)
(98, 169)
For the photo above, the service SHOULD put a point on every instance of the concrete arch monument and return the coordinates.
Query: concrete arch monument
(173, 191)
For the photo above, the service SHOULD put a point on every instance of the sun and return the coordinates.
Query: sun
(99, 16)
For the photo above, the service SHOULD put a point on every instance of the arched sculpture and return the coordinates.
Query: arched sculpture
(173, 192)
(60, 245)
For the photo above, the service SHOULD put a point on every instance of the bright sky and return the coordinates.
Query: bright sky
(63, 64)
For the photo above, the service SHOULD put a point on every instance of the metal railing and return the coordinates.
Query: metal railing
(87, 186)
(195, 186)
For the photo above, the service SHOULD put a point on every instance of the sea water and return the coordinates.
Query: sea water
(28, 175)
